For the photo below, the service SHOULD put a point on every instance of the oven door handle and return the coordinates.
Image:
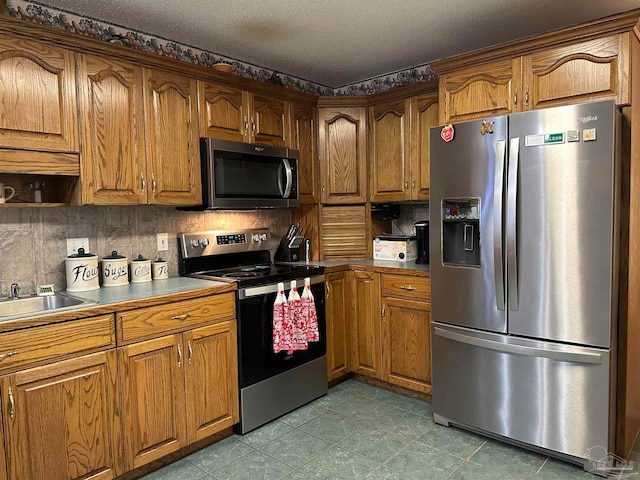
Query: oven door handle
(273, 287)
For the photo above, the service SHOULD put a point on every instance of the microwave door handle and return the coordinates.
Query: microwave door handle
(280, 187)
(289, 174)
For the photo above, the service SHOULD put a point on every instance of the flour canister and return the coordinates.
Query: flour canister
(140, 270)
(115, 270)
(82, 272)
(160, 269)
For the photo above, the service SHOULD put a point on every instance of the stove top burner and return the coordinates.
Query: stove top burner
(242, 274)
(260, 274)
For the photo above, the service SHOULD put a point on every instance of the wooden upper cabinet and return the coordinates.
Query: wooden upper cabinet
(481, 91)
(304, 138)
(592, 70)
(389, 151)
(153, 399)
(223, 112)
(345, 232)
(343, 154)
(61, 420)
(112, 113)
(269, 120)
(338, 308)
(366, 353)
(424, 115)
(173, 154)
(38, 109)
(211, 379)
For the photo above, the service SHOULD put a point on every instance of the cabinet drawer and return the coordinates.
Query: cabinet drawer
(404, 286)
(36, 344)
(175, 317)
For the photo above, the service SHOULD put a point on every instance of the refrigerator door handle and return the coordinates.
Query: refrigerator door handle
(498, 186)
(512, 197)
(571, 357)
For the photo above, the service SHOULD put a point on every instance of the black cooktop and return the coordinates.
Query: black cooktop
(261, 274)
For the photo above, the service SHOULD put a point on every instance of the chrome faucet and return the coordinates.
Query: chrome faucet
(15, 291)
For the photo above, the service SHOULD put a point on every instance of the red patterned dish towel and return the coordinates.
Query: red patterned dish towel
(282, 325)
(298, 322)
(309, 312)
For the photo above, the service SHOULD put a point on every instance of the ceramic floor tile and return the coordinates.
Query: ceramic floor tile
(295, 448)
(557, 470)
(474, 471)
(361, 408)
(420, 462)
(297, 475)
(180, 470)
(410, 404)
(303, 414)
(332, 427)
(253, 466)
(265, 434)
(335, 397)
(219, 454)
(451, 440)
(374, 444)
(518, 461)
(384, 473)
(402, 423)
(338, 464)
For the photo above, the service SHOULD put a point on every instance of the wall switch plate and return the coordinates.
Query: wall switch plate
(163, 242)
(73, 244)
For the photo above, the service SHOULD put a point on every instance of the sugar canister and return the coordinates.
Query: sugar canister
(115, 270)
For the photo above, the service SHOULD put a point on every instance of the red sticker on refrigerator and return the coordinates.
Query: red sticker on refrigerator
(447, 133)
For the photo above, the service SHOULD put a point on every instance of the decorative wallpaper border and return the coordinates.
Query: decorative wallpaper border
(44, 15)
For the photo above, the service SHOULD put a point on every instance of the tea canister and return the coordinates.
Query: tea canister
(82, 272)
(140, 270)
(115, 270)
(160, 269)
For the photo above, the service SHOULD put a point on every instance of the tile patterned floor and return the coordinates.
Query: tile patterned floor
(362, 432)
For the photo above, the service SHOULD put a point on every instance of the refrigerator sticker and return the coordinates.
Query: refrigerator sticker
(544, 139)
(447, 133)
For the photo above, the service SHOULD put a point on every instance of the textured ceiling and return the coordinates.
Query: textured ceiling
(338, 42)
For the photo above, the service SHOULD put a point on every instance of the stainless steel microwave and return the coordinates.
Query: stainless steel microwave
(238, 175)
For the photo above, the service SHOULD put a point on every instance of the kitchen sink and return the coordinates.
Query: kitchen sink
(39, 305)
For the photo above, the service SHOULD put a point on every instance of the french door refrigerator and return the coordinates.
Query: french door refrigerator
(523, 242)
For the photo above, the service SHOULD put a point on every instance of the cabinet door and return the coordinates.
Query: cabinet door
(223, 112)
(486, 90)
(593, 70)
(212, 379)
(112, 109)
(366, 352)
(153, 399)
(345, 232)
(424, 115)
(389, 163)
(304, 138)
(61, 420)
(173, 154)
(406, 343)
(343, 154)
(38, 109)
(338, 312)
(270, 120)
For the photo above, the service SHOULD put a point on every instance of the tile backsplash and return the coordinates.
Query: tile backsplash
(33, 244)
(409, 214)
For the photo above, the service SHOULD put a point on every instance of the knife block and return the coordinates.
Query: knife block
(289, 250)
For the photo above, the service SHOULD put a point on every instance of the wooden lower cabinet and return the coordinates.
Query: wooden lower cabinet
(366, 352)
(176, 390)
(61, 420)
(338, 313)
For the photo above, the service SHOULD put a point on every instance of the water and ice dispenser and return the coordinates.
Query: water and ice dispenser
(461, 232)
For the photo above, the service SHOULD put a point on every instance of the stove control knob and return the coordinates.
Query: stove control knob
(204, 242)
(255, 237)
(195, 242)
(263, 237)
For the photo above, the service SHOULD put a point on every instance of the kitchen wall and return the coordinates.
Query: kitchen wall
(33, 240)
(409, 214)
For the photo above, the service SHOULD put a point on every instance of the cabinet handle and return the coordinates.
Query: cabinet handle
(323, 189)
(406, 185)
(253, 126)
(142, 182)
(179, 356)
(526, 98)
(8, 354)
(384, 311)
(190, 350)
(246, 125)
(407, 287)
(153, 184)
(12, 405)
(515, 99)
(413, 184)
(328, 290)
(184, 316)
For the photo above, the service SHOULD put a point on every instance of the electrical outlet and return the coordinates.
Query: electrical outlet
(73, 244)
(163, 242)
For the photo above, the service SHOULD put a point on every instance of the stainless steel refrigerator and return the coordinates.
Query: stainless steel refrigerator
(523, 243)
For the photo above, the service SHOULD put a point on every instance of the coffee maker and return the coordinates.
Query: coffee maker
(422, 237)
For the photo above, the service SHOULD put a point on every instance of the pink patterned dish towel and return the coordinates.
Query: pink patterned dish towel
(309, 312)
